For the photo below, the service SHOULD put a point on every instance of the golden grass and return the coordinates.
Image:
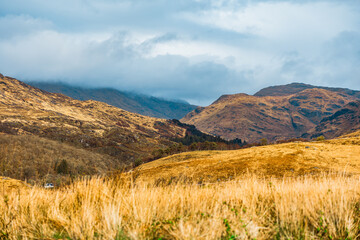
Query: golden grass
(289, 159)
(325, 207)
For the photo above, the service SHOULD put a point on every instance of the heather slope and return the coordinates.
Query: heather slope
(252, 118)
(91, 125)
(344, 121)
(292, 88)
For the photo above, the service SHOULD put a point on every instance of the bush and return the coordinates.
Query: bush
(138, 162)
(320, 138)
(263, 142)
(63, 167)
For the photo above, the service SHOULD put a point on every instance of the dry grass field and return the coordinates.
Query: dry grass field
(288, 159)
(287, 191)
(323, 207)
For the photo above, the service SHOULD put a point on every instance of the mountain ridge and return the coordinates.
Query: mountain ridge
(132, 102)
(296, 87)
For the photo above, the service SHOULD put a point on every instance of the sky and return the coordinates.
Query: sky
(181, 49)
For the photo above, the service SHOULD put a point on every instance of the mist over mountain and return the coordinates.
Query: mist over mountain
(129, 101)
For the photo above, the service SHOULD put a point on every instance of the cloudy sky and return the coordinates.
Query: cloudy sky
(191, 50)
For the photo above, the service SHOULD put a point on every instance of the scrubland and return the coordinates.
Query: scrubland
(39, 160)
(251, 207)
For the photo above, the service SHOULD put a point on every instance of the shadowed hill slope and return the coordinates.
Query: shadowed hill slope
(132, 102)
(252, 118)
(289, 159)
(344, 121)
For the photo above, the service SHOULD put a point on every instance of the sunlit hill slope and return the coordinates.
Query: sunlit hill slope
(274, 117)
(90, 125)
(289, 159)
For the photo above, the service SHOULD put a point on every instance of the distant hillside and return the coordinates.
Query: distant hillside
(344, 121)
(132, 102)
(91, 125)
(289, 112)
(293, 88)
(47, 136)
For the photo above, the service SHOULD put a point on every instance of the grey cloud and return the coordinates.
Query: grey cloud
(91, 42)
(20, 25)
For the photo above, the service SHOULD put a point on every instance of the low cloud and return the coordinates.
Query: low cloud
(192, 50)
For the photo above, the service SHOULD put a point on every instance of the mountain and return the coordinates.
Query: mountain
(132, 102)
(344, 121)
(289, 112)
(90, 125)
(293, 88)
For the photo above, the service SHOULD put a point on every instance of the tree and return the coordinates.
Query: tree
(263, 142)
(63, 167)
(320, 138)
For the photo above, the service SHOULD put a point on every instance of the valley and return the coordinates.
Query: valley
(179, 120)
(199, 185)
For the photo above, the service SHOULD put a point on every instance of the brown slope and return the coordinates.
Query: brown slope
(34, 159)
(91, 125)
(293, 88)
(344, 121)
(273, 117)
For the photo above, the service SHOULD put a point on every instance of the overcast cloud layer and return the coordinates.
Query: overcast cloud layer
(192, 50)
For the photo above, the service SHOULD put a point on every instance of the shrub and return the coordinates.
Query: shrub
(138, 162)
(320, 138)
(63, 167)
(263, 142)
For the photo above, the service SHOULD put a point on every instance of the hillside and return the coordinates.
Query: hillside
(252, 118)
(91, 125)
(289, 159)
(344, 121)
(36, 159)
(292, 88)
(132, 102)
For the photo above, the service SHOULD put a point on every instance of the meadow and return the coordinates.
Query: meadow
(324, 206)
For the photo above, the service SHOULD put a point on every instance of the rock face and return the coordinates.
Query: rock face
(136, 103)
(344, 121)
(287, 112)
(90, 125)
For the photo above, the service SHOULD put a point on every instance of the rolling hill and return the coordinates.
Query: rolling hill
(290, 159)
(289, 114)
(132, 102)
